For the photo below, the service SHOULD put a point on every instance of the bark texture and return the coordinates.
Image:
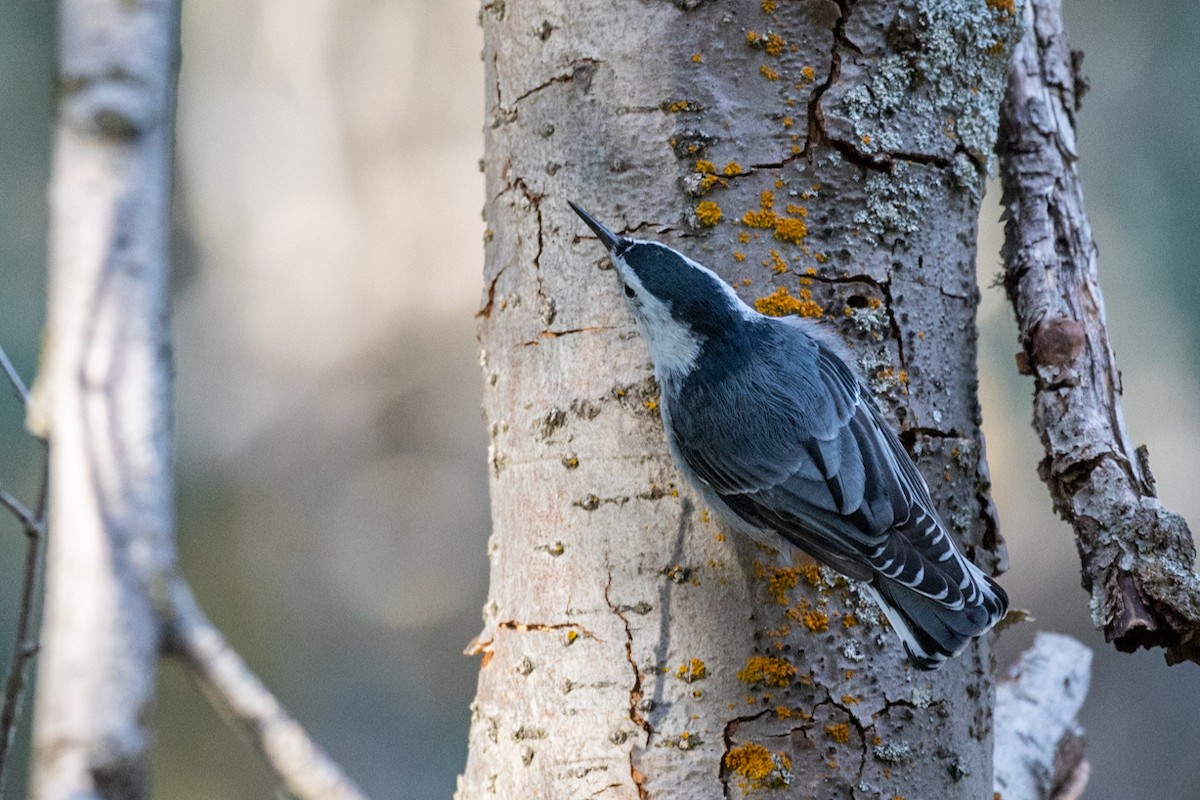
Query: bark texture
(1039, 745)
(1137, 557)
(826, 159)
(103, 399)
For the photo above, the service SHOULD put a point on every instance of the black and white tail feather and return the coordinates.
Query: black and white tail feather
(767, 418)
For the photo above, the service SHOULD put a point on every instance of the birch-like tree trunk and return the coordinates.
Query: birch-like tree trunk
(115, 601)
(827, 159)
(103, 400)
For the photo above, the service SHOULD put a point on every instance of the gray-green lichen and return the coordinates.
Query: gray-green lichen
(895, 202)
(938, 88)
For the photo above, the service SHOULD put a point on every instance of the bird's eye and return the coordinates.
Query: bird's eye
(629, 291)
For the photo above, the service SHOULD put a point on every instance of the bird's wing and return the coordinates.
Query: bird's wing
(800, 448)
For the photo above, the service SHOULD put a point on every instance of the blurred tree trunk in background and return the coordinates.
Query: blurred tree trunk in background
(827, 159)
(103, 400)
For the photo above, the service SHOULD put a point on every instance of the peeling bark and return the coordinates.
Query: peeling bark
(1137, 557)
(844, 147)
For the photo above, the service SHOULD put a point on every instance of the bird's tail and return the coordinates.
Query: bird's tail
(931, 631)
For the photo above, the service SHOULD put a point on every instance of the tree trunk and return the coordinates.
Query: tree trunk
(103, 399)
(826, 159)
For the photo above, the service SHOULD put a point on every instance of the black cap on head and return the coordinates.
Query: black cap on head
(607, 238)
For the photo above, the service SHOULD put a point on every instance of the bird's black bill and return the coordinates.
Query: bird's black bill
(607, 238)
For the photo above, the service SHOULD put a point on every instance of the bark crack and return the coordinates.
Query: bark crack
(548, 334)
(514, 625)
(635, 691)
(582, 70)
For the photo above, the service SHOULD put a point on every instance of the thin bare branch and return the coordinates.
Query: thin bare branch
(1137, 557)
(13, 376)
(25, 645)
(243, 699)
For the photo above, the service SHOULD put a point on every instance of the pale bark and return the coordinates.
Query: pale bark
(103, 399)
(1137, 557)
(609, 588)
(114, 599)
(1039, 744)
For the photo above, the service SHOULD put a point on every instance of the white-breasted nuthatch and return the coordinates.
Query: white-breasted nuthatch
(768, 420)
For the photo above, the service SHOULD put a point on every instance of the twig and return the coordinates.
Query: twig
(25, 638)
(13, 376)
(242, 698)
(1136, 556)
(1039, 746)
(25, 644)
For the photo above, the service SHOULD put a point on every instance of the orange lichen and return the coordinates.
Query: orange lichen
(783, 712)
(808, 72)
(790, 229)
(743, 237)
(839, 732)
(778, 265)
(760, 218)
(1006, 6)
(780, 580)
(768, 73)
(752, 37)
(692, 671)
(781, 631)
(767, 671)
(705, 167)
(731, 169)
(708, 213)
(759, 766)
(679, 105)
(768, 6)
(816, 621)
(850, 700)
(811, 572)
(774, 44)
(651, 404)
(764, 216)
(697, 58)
(787, 122)
(738, 255)
(782, 303)
(865, 138)
(849, 621)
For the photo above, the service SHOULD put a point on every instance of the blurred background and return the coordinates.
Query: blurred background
(333, 496)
